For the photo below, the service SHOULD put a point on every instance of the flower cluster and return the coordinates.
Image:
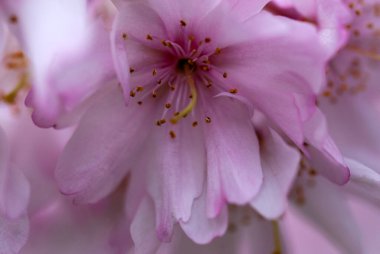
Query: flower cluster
(202, 126)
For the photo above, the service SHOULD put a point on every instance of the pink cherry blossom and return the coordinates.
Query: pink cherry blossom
(192, 75)
(68, 52)
(349, 102)
(352, 95)
(203, 126)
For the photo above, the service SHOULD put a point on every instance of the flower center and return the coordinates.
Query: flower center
(185, 65)
(178, 72)
(188, 69)
(15, 64)
(350, 71)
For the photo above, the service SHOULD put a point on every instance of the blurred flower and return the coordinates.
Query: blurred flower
(34, 216)
(68, 53)
(350, 103)
(351, 98)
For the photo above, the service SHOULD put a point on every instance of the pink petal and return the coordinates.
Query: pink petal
(244, 9)
(129, 28)
(233, 159)
(143, 229)
(177, 173)
(364, 181)
(322, 200)
(202, 229)
(14, 187)
(356, 133)
(172, 12)
(268, 66)
(280, 165)
(325, 156)
(97, 157)
(247, 233)
(13, 234)
(2, 37)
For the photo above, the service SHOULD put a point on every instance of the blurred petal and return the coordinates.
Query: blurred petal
(280, 165)
(97, 157)
(322, 200)
(13, 234)
(233, 159)
(201, 229)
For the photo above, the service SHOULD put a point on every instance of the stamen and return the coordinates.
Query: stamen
(149, 37)
(372, 55)
(11, 97)
(13, 19)
(276, 238)
(182, 23)
(233, 90)
(193, 101)
(172, 134)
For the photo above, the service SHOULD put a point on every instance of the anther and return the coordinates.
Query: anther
(225, 75)
(208, 119)
(154, 72)
(139, 89)
(13, 19)
(205, 68)
(172, 134)
(131, 70)
(312, 172)
(160, 122)
(140, 103)
(163, 42)
(218, 51)
(124, 36)
(233, 91)
(149, 37)
(195, 124)
(182, 23)
(208, 40)
(132, 94)
(168, 105)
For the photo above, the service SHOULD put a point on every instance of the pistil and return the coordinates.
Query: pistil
(193, 97)
(276, 238)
